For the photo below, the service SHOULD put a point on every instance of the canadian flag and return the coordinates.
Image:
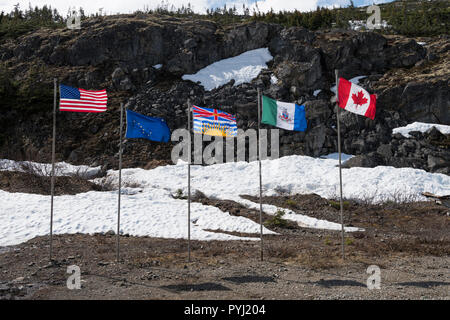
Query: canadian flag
(355, 99)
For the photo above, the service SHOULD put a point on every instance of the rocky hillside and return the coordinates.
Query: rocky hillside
(118, 53)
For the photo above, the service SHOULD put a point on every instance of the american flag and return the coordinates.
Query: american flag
(214, 122)
(79, 100)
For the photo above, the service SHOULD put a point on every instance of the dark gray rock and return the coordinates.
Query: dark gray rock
(385, 150)
(435, 163)
(315, 139)
(317, 111)
(364, 160)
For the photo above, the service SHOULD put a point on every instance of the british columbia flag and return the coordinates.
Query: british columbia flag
(214, 122)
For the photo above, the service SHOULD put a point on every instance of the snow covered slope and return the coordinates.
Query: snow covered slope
(151, 210)
(294, 174)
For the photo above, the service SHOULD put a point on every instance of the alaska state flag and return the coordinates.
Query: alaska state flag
(140, 126)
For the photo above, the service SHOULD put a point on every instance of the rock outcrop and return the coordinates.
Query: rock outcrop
(120, 53)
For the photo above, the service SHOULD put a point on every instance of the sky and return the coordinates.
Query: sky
(200, 6)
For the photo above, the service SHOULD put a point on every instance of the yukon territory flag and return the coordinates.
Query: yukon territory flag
(79, 100)
(140, 126)
(288, 116)
(214, 122)
(355, 99)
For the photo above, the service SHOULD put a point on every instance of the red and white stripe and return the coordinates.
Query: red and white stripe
(90, 101)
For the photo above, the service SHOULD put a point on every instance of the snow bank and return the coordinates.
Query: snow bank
(152, 211)
(422, 127)
(293, 174)
(242, 68)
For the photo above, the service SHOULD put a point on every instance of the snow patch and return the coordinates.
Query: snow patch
(422, 127)
(273, 79)
(242, 68)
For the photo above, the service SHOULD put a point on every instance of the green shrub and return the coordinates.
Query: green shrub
(277, 220)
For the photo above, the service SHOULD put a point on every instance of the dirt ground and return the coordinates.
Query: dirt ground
(410, 243)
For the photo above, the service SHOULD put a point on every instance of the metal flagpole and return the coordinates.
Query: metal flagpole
(120, 182)
(53, 166)
(260, 175)
(340, 168)
(189, 181)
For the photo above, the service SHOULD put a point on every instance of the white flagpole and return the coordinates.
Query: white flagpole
(189, 181)
(53, 166)
(120, 184)
(340, 167)
(260, 175)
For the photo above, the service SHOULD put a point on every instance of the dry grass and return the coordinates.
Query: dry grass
(280, 250)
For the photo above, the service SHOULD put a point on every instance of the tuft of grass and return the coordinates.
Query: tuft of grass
(281, 251)
(291, 203)
(349, 241)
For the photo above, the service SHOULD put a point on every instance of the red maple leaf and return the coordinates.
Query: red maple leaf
(359, 99)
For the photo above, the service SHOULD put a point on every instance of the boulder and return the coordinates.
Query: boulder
(364, 160)
(435, 163)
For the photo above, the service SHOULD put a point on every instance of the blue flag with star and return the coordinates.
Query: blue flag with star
(140, 126)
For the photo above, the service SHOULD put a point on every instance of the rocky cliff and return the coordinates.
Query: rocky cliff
(119, 53)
